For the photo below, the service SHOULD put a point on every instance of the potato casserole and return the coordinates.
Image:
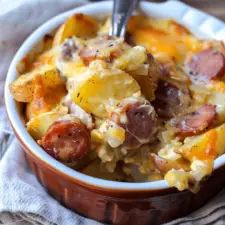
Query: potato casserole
(144, 108)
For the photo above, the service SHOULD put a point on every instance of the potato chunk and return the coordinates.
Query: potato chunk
(205, 146)
(131, 59)
(77, 25)
(39, 125)
(23, 87)
(103, 88)
(143, 67)
(48, 91)
(47, 58)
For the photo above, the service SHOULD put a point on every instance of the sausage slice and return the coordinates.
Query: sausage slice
(67, 141)
(141, 121)
(141, 125)
(195, 122)
(131, 141)
(88, 55)
(206, 65)
(170, 100)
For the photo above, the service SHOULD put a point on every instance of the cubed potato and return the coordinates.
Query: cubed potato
(148, 83)
(48, 91)
(178, 178)
(205, 146)
(23, 87)
(131, 59)
(47, 58)
(77, 25)
(72, 68)
(39, 125)
(104, 29)
(102, 88)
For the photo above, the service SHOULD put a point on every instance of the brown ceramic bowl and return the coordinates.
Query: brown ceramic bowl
(111, 201)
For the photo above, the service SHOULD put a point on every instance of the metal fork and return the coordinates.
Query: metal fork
(122, 10)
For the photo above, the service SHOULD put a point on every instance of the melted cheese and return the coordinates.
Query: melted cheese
(163, 37)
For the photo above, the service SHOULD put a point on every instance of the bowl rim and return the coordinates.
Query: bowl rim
(94, 9)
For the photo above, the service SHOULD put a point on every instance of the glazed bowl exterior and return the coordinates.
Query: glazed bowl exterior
(110, 201)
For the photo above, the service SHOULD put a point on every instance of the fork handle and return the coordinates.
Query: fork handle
(122, 10)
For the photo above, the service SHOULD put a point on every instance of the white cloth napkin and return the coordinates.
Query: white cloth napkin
(23, 201)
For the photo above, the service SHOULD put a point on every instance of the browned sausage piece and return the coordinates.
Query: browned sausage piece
(67, 140)
(206, 65)
(88, 55)
(170, 100)
(141, 125)
(195, 122)
(95, 49)
(131, 142)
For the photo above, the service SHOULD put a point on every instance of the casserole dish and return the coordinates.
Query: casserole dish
(114, 202)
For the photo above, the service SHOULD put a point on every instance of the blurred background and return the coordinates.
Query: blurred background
(214, 7)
